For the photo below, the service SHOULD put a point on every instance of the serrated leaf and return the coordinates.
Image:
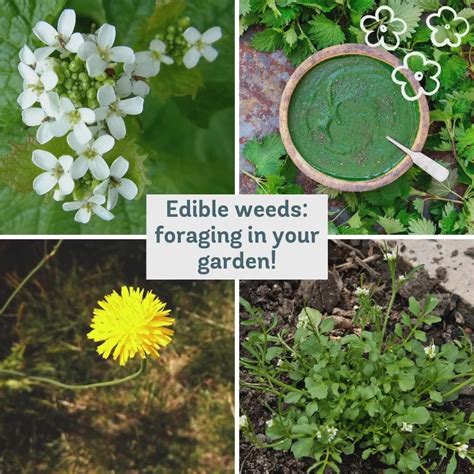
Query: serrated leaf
(361, 6)
(266, 154)
(325, 32)
(291, 37)
(410, 12)
(391, 225)
(267, 41)
(244, 7)
(422, 226)
(453, 70)
(429, 5)
(387, 196)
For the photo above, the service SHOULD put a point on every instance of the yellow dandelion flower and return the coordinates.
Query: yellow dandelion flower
(131, 323)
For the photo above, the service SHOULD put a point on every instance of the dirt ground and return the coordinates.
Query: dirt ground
(348, 262)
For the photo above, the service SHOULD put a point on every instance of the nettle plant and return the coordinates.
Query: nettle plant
(78, 88)
(378, 392)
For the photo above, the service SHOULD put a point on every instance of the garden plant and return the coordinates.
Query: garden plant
(383, 390)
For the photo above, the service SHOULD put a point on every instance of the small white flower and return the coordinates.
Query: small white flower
(99, 55)
(201, 45)
(406, 427)
(73, 119)
(38, 60)
(377, 307)
(462, 450)
(356, 307)
(129, 84)
(36, 87)
(388, 26)
(269, 423)
(113, 110)
(91, 156)
(446, 24)
(402, 278)
(430, 351)
(332, 433)
(63, 39)
(362, 291)
(117, 185)
(390, 256)
(419, 76)
(86, 208)
(303, 320)
(279, 363)
(243, 422)
(318, 434)
(57, 173)
(148, 63)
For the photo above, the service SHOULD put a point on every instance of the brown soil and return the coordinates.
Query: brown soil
(348, 263)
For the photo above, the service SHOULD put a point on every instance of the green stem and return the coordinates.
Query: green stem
(458, 387)
(30, 275)
(56, 383)
(389, 308)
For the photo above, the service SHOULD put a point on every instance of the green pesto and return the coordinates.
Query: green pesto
(342, 110)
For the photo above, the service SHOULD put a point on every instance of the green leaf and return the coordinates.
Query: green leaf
(302, 448)
(391, 225)
(316, 389)
(128, 16)
(361, 6)
(436, 396)
(409, 461)
(452, 465)
(176, 81)
(429, 5)
(406, 382)
(267, 41)
(314, 316)
(17, 19)
(311, 408)
(410, 12)
(325, 32)
(326, 326)
(290, 36)
(418, 416)
(244, 7)
(422, 226)
(414, 306)
(273, 352)
(266, 154)
(453, 70)
(292, 397)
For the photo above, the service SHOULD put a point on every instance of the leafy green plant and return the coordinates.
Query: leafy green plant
(380, 391)
(413, 204)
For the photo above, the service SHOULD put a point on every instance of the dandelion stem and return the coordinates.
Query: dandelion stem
(56, 383)
(30, 275)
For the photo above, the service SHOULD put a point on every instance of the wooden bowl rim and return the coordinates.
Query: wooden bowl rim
(336, 183)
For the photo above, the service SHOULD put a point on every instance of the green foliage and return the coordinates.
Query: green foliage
(380, 393)
(413, 203)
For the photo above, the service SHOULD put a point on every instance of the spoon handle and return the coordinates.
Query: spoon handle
(434, 169)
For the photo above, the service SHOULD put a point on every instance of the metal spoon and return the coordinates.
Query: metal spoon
(434, 169)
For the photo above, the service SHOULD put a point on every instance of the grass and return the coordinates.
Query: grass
(178, 417)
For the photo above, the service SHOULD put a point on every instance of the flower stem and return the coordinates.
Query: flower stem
(56, 383)
(30, 275)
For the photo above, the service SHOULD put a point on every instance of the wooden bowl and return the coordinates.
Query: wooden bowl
(330, 181)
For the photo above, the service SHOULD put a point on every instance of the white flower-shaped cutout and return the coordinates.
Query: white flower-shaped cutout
(91, 156)
(432, 83)
(117, 185)
(113, 110)
(63, 39)
(99, 55)
(87, 207)
(36, 87)
(73, 119)
(201, 45)
(447, 27)
(383, 26)
(57, 173)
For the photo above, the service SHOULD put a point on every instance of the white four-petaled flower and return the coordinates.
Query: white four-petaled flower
(73, 119)
(406, 427)
(98, 55)
(87, 207)
(63, 39)
(57, 173)
(113, 110)
(117, 185)
(91, 156)
(201, 45)
(430, 351)
(36, 87)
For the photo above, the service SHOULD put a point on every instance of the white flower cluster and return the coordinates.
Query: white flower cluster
(462, 450)
(303, 320)
(243, 422)
(331, 433)
(390, 256)
(362, 292)
(82, 86)
(406, 427)
(430, 351)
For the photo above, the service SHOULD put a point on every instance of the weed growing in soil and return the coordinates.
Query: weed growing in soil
(386, 394)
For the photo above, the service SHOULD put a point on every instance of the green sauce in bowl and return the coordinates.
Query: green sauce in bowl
(342, 110)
